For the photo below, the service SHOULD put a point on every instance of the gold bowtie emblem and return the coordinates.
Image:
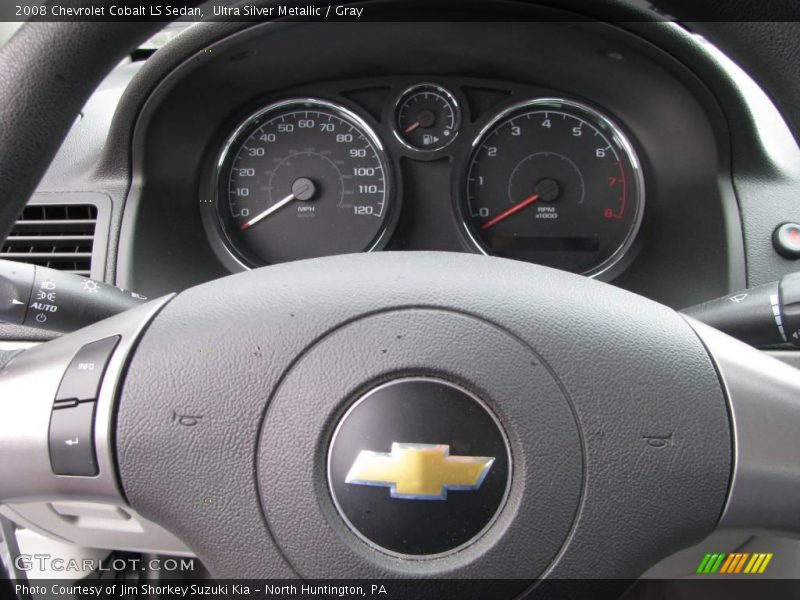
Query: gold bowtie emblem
(419, 471)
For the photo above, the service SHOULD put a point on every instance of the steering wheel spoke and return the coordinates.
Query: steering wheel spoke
(764, 401)
(57, 412)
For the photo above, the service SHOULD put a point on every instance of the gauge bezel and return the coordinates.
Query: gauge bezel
(223, 246)
(448, 95)
(616, 262)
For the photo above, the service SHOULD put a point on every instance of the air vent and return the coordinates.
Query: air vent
(59, 236)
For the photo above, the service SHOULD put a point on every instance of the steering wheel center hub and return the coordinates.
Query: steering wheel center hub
(395, 435)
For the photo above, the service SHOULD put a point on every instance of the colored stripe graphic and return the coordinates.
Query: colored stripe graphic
(703, 564)
(753, 562)
(718, 563)
(735, 562)
(764, 564)
(726, 566)
(740, 564)
(711, 563)
(758, 563)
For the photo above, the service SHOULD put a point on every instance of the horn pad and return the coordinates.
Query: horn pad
(377, 397)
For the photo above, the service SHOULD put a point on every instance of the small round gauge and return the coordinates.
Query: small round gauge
(554, 182)
(302, 178)
(427, 117)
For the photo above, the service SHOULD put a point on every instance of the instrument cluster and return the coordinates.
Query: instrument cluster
(532, 176)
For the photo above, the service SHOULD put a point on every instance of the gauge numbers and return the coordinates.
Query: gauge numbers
(554, 182)
(300, 179)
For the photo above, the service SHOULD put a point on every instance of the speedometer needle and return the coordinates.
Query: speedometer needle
(302, 189)
(507, 213)
(268, 212)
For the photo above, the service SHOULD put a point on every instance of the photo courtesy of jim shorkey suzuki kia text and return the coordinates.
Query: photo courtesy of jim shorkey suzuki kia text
(175, 11)
(217, 590)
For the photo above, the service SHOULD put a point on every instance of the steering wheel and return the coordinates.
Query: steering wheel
(397, 414)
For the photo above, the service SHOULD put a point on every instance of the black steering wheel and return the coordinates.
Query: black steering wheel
(401, 414)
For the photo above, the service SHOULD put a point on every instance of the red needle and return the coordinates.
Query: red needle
(507, 213)
(411, 127)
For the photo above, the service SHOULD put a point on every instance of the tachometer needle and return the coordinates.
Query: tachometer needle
(507, 213)
(302, 189)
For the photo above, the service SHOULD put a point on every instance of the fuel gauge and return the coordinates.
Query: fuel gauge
(427, 117)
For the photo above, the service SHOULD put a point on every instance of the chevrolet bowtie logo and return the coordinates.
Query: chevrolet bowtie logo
(419, 471)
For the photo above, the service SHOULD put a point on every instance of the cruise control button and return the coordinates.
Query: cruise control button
(84, 374)
(72, 440)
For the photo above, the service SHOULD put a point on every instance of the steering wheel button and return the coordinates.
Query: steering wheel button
(72, 440)
(786, 239)
(82, 378)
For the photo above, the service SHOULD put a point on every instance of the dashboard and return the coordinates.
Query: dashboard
(572, 145)
(305, 177)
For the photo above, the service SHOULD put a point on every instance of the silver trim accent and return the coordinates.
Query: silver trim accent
(12, 345)
(448, 96)
(790, 357)
(776, 310)
(223, 246)
(95, 525)
(28, 386)
(466, 544)
(763, 397)
(612, 265)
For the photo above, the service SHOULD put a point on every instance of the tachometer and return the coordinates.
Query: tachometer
(554, 182)
(302, 178)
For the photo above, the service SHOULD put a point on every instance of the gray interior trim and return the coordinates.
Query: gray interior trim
(790, 357)
(764, 401)
(95, 525)
(28, 388)
(10, 346)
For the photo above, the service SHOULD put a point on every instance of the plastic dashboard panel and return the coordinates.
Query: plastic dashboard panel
(676, 126)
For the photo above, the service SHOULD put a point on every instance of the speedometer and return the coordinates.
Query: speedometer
(554, 182)
(302, 178)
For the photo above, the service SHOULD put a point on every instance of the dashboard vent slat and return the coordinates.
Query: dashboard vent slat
(59, 236)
